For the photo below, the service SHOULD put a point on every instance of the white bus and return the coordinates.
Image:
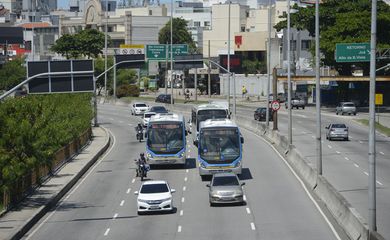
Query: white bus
(219, 147)
(166, 139)
(206, 111)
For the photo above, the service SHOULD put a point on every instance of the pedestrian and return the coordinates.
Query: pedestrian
(244, 91)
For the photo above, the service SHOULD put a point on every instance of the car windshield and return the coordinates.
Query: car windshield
(203, 115)
(339, 126)
(154, 188)
(140, 105)
(219, 145)
(165, 137)
(158, 109)
(148, 115)
(349, 105)
(225, 181)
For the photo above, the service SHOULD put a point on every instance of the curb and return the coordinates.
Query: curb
(19, 233)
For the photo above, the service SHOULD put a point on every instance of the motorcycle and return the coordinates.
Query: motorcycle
(140, 135)
(142, 170)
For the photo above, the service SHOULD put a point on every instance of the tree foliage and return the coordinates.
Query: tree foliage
(100, 68)
(180, 34)
(33, 128)
(126, 76)
(342, 21)
(12, 73)
(87, 42)
(254, 67)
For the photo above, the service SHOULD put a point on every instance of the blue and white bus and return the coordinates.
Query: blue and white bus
(219, 147)
(166, 139)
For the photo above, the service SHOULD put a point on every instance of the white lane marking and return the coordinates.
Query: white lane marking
(338, 152)
(79, 184)
(123, 202)
(253, 226)
(366, 173)
(322, 141)
(179, 229)
(184, 188)
(189, 150)
(303, 132)
(356, 165)
(350, 137)
(248, 210)
(294, 129)
(361, 142)
(379, 183)
(313, 136)
(181, 212)
(188, 156)
(120, 121)
(128, 190)
(111, 119)
(132, 181)
(115, 215)
(329, 146)
(303, 186)
(130, 124)
(382, 153)
(244, 197)
(346, 158)
(187, 171)
(185, 179)
(106, 232)
(182, 199)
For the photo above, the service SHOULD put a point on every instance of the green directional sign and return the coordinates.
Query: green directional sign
(352, 52)
(159, 51)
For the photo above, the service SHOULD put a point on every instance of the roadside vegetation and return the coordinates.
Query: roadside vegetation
(378, 127)
(34, 128)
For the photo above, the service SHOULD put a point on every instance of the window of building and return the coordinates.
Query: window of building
(207, 24)
(243, 29)
(197, 24)
(293, 45)
(305, 44)
(150, 12)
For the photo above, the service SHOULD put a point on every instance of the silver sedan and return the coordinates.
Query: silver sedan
(225, 188)
(337, 130)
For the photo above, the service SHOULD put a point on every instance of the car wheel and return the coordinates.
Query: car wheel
(337, 113)
(212, 204)
(354, 114)
(329, 138)
(346, 139)
(139, 213)
(303, 107)
(342, 113)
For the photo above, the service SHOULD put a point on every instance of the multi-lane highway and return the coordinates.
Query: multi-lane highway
(102, 205)
(345, 163)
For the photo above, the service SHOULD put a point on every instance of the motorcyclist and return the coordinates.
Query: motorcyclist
(141, 162)
(139, 129)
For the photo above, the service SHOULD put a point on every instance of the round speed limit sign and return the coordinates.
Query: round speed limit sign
(275, 105)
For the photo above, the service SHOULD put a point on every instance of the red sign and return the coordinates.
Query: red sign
(275, 105)
(238, 41)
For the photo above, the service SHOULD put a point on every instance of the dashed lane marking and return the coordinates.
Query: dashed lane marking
(106, 232)
(382, 153)
(132, 181)
(181, 212)
(128, 190)
(329, 146)
(253, 226)
(122, 202)
(379, 183)
(346, 158)
(356, 165)
(130, 124)
(361, 142)
(184, 188)
(115, 216)
(182, 199)
(185, 179)
(120, 121)
(188, 156)
(179, 229)
(248, 210)
(338, 152)
(244, 197)
(187, 170)
(313, 136)
(366, 173)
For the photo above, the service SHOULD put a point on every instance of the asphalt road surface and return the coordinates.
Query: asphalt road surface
(103, 205)
(345, 163)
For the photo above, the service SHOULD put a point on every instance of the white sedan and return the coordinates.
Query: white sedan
(154, 195)
(146, 118)
(138, 108)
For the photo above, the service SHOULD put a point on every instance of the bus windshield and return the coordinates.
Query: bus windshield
(203, 115)
(219, 145)
(165, 138)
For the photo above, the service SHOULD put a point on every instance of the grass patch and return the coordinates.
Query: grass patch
(150, 98)
(378, 127)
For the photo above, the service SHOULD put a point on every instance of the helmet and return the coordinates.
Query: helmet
(141, 154)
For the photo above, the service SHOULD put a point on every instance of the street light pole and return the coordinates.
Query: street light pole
(105, 52)
(318, 90)
(288, 76)
(228, 58)
(269, 63)
(371, 137)
(171, 52)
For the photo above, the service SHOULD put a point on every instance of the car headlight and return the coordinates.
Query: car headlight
(237, 164)
(166, 199)
(143, 200)
(148, 155)
(182, 154)
(202, 165)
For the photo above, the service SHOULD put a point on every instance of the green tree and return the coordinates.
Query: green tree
(180, 34)
(342, 21)
(87, 42)
(12, 73)
(126, 76)
(253, 67)
(68, 46)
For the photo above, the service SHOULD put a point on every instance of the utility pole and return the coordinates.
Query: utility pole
(196, 84)
(228, 57)
(274, 90)
(171, 52)
(114, 90)
(318, 90)
(269, 63)
(371, 137)
(209, 73)
(105, 52)
(288, 76)
(166, 69)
